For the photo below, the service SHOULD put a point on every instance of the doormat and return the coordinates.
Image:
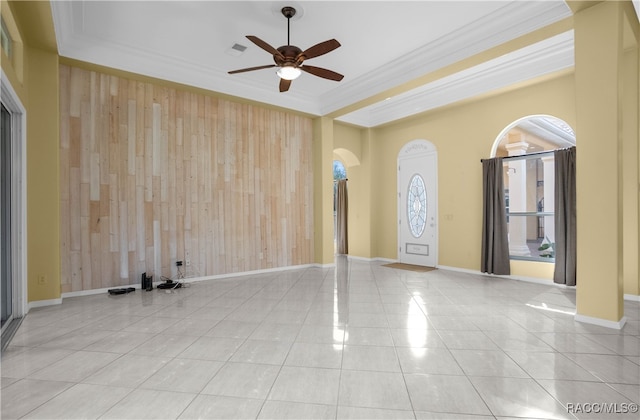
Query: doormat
(410, 267)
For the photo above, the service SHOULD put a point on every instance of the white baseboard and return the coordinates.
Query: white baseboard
(537, 280)
(318, 265)
(253, 272)
(458, 269)
(601, 322)
(96, 291)
(42, 303)
(355, 257)
(51, 302)
(632, 298)
(189, 280)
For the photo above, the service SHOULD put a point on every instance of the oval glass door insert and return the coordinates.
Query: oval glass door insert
(417, 205)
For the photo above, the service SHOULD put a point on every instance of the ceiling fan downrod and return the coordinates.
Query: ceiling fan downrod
(288, 12)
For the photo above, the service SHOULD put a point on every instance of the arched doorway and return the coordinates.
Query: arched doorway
(339, 216)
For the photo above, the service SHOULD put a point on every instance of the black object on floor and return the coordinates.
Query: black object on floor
(121, 291)
(169, 284)
(147, 282)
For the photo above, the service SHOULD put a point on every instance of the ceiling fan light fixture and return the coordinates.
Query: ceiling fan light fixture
(289, 72)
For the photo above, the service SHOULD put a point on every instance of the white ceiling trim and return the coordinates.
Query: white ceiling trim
(513, 20)
(125, 57)
(543, 128)
(181, 71)
(548, 56)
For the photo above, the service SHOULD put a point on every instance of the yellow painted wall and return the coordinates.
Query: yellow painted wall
(631, 172)
(37, 87)
(463, 135)
(322, 150)
(43, 191)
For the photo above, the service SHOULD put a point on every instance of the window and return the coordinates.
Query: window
(5, 39)
(529, 189)
(526, 147)
(339, 171)
(6, 304)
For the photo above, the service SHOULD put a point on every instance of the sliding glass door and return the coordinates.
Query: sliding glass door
(6, 304)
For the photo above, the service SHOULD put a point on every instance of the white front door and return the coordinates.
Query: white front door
(418, 207)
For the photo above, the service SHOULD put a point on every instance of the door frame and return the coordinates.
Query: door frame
(12, 103)
(416, 149)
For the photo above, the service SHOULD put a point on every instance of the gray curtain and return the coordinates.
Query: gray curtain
(342, 206)
(565, 216)
(495, 241)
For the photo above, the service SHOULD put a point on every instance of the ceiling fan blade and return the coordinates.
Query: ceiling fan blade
(320, 72)
(260, 43)
(284, 85)
(252, 69)
(320, 49)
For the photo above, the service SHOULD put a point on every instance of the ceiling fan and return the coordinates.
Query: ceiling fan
(289, 58)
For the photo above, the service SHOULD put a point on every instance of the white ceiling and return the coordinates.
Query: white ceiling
(384, 44)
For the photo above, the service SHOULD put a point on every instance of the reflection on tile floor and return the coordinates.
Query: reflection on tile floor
(358, 341)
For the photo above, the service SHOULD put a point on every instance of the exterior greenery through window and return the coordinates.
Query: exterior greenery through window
(339, 172)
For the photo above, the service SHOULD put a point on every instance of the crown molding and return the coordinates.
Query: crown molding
(514, 19)
(545, 57)
(137, 61)
(511, 21)
(154, 64)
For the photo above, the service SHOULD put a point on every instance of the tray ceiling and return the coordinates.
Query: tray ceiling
(385, 44)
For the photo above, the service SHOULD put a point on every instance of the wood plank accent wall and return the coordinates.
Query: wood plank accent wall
(151, 175)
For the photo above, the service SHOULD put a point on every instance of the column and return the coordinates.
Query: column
(323, 190)
(517, 184)
(549, 177)
(631, 165)
(598, 54)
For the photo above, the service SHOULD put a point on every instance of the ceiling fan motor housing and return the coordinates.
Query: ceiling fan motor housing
(291, 56)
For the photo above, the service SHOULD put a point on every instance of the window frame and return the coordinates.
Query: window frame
(6, 40)
(509, 214)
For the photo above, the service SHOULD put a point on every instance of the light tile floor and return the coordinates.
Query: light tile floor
(358, 341)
